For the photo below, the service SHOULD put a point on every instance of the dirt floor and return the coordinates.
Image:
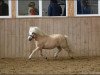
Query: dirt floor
(42, 66)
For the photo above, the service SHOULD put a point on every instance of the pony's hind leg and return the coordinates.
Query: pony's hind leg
(56, 54)
(69, 52)
(42, 54)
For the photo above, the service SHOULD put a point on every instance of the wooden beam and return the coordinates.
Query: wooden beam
(13, 8)
(70, 7)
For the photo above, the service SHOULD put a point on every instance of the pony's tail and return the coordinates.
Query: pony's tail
(66, 36)
(66, 39)
(69, 50)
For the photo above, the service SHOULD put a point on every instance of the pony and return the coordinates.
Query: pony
(44, 41)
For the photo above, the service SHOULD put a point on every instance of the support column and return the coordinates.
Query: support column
(13, 8)
(70, 7)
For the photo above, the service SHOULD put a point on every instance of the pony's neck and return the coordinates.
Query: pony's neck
(38, 37)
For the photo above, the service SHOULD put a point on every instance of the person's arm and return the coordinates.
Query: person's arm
(64, 12)
(60, 10)
(49, 11)
(36, 11)
(6, 9)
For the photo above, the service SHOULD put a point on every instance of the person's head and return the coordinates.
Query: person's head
(1, 1)
(53, 1)
(31, 4)
(85, 2)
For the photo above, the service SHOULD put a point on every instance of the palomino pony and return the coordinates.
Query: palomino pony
(43, 41)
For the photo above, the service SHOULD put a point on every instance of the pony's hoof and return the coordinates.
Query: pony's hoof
(55, 57)
(71, 57)
(29, 58)
(2, 58)
(46, 58)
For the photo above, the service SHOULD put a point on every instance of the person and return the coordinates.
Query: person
(86, 7)
(79, 7)
(32, 10)
(83, 7)
(3, 8)
(54, 9)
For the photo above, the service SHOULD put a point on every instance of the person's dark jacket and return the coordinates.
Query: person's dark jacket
(79, 7)
(83, 9)
(54, 9)
(4, 9)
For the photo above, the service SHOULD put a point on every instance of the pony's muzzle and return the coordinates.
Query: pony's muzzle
(29, 38)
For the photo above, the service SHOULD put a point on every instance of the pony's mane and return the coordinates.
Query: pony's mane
(37, 31)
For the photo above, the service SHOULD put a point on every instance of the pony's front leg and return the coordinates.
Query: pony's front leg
(33, 52)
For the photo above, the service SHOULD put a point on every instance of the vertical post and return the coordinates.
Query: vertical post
(70, 7)
(13, 8)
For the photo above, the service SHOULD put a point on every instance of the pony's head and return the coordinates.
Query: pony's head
(34, 32)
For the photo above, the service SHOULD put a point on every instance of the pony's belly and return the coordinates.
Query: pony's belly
(49, 46)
